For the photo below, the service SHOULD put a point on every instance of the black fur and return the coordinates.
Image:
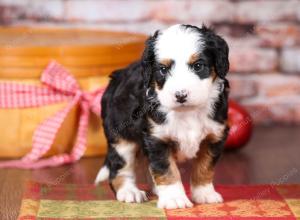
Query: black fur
(157, 152)
(148, 59)
(121, 103)
(221, 105)
(114, 162)
(216, 49)
(217, 148)
(130, 100)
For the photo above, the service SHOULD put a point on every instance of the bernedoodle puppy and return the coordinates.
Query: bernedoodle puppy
(171, 105)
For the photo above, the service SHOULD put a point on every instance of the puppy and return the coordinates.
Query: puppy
(171, 105)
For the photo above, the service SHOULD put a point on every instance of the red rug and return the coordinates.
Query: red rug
(53, 202)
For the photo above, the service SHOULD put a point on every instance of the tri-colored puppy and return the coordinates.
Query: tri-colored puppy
(172, 105)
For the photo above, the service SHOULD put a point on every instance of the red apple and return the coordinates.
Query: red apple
(240, 124)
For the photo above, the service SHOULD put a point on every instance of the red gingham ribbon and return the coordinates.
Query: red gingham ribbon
(60, 86)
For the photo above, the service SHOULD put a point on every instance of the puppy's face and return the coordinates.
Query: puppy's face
(181, 65)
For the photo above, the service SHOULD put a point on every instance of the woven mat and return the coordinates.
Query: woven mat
(89, 202)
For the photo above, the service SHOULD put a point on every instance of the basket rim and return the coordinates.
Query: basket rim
(135, 43)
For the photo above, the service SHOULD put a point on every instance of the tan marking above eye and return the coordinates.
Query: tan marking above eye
(193, 58)
(166, 62)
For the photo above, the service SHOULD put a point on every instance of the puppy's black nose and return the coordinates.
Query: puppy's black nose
(181, 96)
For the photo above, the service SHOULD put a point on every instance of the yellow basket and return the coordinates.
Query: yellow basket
(89, 55)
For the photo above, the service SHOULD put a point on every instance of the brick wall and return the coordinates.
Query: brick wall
(264, 39)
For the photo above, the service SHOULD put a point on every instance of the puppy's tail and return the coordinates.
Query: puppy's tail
(102, 175)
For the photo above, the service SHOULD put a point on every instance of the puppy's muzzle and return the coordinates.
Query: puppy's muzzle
(181, 96)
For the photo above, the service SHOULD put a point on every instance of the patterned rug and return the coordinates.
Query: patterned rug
(54, 202)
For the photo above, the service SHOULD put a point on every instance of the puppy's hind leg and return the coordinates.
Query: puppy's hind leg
(120, 162)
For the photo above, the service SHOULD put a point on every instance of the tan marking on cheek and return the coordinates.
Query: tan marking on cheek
(214, 75)
(171, 176)
(156, 87)
(212, 138)
(193, 58)
(202, 169)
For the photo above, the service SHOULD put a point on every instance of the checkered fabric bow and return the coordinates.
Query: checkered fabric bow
(60, 86)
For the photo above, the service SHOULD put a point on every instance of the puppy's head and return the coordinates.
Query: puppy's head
(182, 63)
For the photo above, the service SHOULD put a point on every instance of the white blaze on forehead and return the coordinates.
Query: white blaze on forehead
(178, 43)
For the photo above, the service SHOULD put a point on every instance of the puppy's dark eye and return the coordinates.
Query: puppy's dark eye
(163, 70)
(198, 67)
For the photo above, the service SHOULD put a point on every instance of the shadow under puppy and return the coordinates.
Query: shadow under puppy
(172, 106)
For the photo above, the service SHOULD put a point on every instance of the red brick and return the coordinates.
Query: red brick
(290, 60)
(278, 34)
(8, 14)
(241, 86)
(236, 43)
(21, 10)
(259, 110)
(296, 111)
(267, 10)
(194, 10)
(252, 59)
(16, 3)
(278, 110)
(10, 11)
(264, 85)
(54, 10)
(109, 10)
(277, 98)
(145, 27)
(276, 85)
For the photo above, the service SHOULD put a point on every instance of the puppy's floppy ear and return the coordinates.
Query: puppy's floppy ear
(219, 50)
(148, 59)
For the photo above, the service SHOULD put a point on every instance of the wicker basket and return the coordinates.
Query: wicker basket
(89, 55)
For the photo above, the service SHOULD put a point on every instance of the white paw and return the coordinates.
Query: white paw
(172, 197)
(174, 202)
(132, 194)
(206, 194)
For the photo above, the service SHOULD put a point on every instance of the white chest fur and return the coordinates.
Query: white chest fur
(188, 129)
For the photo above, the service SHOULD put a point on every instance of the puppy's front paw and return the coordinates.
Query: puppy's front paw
(172, 197)
(131, 194)
(206, 194)
(174, 202)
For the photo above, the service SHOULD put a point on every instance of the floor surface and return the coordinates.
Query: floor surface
(272, 156)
